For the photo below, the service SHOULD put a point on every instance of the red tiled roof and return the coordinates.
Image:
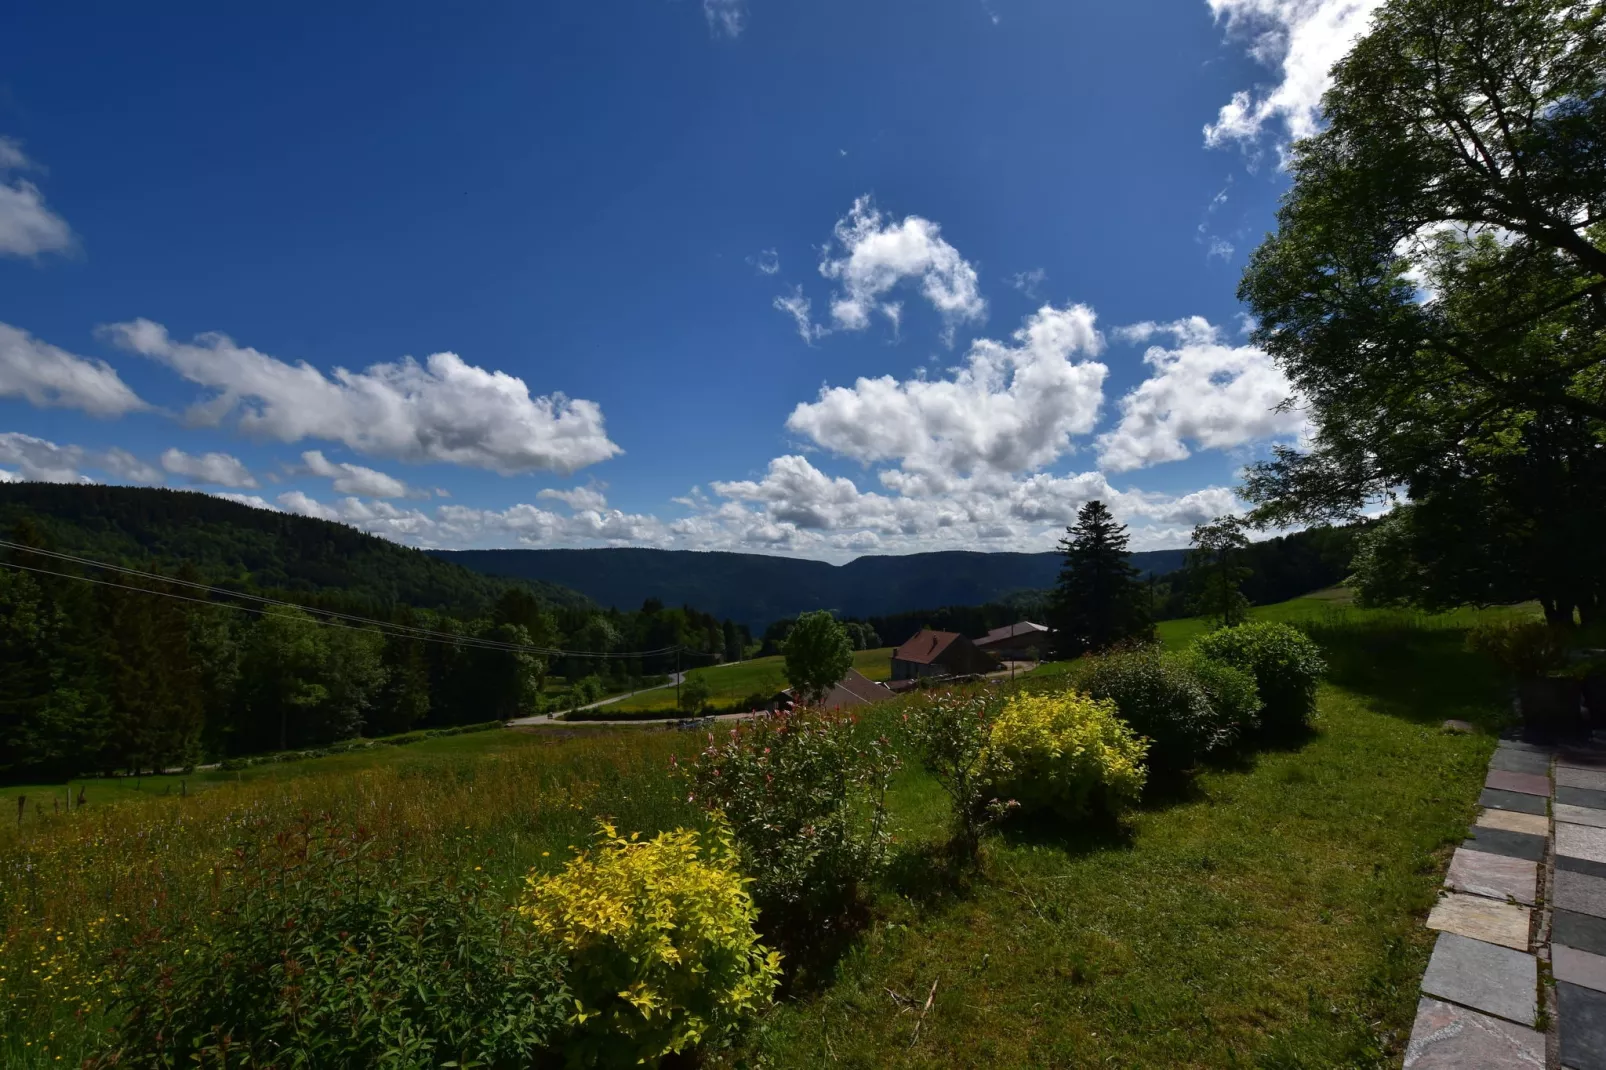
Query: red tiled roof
(925, 648)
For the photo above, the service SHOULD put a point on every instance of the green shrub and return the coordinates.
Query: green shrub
(1527, 648)
(1161, 696)
(316, 955)
(1284, 661)
(950, 731)
(1232, 694)
(662, 952)
(1067, 753)
(805, 794)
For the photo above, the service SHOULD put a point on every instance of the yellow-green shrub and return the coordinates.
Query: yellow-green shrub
(660, 942)
(1065, 752)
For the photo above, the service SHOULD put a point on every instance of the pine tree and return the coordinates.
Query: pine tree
(1099, 600)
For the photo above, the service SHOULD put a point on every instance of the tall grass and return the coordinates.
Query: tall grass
(73, 886)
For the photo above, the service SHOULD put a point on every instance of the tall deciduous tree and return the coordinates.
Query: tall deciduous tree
(1436, 291)
(818, 654)
(1216, 571)
(1099, 600)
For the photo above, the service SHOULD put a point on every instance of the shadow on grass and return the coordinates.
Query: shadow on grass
(810, 950)
(1418, 673)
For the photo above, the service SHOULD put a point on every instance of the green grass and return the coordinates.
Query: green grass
(730, 684)
(1268, 916)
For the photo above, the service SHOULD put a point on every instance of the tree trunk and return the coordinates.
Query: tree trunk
(1557, 613)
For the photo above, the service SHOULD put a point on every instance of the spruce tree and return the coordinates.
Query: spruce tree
(1099, 600)
(1216, 571)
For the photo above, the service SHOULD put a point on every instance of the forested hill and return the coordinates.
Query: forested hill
(756, 589)
(236, 545)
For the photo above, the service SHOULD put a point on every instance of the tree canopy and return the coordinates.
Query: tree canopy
(1436, 293)
(818, 654)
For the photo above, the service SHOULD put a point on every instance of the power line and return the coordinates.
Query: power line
(358, 623)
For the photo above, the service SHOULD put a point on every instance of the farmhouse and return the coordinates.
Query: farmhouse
(933, 653)
(1021, 641)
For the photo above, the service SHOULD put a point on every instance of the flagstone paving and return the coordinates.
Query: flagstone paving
(1482, 988)
(1448, 1037)
(1528, 783)
(1483, 919)
(1580, 893)
(1578, 967)
(1512, 800)
(1581, 1017)
(1583, 931)
(1506, 842)
(1580, 815)
(1532, 824)
(1581, 841)
(1494, 876)
(1496, 980)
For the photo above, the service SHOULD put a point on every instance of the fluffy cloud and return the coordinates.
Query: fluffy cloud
(441, 410)
(1010, 408)
(355, 479)
(578, 498)
(27, 227)
(1300, 40)
(1203, 391)
(219, 468)
(725, 17)
(54, 378)
(43, 461)
(876, 254)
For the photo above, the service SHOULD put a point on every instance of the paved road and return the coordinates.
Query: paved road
(547, 718)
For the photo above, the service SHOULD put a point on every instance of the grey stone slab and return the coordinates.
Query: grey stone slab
(1505, 842)
(1581, 841)
(1519, 761)
(1572, 777)
(1581, 1026)
(1582, 931)
(1494, 876)
(1579, 893)
(1485, 977)
(1487, 920)
(1580, 865)
(1496, 799)
(1527, 783)
(1595, 800)
(1578, 967)
(1580, 815)
(1517, 744)
(1447, 1037)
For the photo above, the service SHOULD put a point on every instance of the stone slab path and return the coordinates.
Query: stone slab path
(1522, 923)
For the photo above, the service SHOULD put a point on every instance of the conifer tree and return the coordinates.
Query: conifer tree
(1099, 600)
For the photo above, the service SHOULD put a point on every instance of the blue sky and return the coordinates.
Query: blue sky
(818, 279)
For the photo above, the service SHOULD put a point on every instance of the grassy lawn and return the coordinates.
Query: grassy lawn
(732, 683)
(1268, 916)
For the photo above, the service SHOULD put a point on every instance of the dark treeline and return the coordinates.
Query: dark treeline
(96, 678)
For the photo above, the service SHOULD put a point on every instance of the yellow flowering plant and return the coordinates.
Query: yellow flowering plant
(1065, 752)
(658, 934)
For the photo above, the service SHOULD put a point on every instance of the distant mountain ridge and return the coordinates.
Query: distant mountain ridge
(757, 589)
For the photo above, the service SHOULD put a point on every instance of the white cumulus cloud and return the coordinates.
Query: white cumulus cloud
(354, 478)
(1203, 391)
(877, 253)
(579, 499)
(443, 409)
(27, 226)
(1300, 40)
(43, 461)
(1010, 408)
(54, 378)
(221, 469)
